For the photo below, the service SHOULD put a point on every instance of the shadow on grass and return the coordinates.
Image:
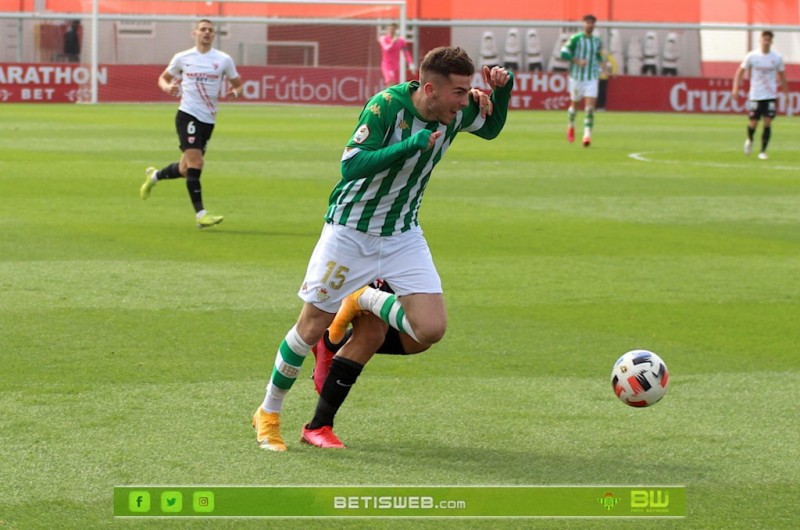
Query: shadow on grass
(443, 465)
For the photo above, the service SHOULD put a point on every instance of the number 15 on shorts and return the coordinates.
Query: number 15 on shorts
(335, 275)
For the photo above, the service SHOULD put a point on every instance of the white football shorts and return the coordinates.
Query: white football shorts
(582, 89)
(345, 260)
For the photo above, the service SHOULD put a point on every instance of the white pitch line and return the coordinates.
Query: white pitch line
(639, 156)
(642, 158)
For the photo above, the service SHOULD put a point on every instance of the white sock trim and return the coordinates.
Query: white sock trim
(296, 342)
(374, 299)
(273, 400)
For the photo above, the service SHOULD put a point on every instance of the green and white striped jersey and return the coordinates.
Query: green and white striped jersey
(387, 202)
(588, 48)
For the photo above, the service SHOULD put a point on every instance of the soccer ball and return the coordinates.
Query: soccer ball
(639, 378)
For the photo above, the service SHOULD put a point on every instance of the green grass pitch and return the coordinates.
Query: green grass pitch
(135, 347)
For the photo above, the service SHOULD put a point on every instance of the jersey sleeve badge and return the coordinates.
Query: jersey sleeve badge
(361, 134)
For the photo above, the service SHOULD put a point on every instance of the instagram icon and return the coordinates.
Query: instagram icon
(203, 501)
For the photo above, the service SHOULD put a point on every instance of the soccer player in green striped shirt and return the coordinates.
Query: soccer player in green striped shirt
(587, 58)
(371, 227)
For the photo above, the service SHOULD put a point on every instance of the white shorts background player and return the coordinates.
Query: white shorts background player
(765, 68)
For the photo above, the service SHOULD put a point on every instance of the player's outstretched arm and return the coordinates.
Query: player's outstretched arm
(363, 162)
(501, 81)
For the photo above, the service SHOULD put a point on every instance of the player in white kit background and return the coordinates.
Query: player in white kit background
(765, 68)
(196, 76)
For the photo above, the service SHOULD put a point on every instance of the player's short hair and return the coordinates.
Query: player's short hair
(589, 18)
(446, 61)
(767, 33)
(201, 21)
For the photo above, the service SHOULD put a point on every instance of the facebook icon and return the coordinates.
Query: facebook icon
(139, 501)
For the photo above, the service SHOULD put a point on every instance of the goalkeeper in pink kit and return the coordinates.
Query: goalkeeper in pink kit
(391, 48)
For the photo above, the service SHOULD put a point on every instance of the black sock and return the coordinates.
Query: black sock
(392, 344)
(172, 171)
(341, 378)
(765, 138)
(194, 187)
(750, 132)
(336, 347)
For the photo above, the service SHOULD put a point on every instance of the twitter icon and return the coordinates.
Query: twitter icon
(171, 501)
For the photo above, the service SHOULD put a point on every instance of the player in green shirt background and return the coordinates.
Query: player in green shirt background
(585, 53)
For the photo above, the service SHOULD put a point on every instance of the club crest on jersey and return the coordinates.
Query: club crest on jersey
(361, 134)
(322, 294)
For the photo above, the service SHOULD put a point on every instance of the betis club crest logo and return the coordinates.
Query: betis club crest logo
(608, 501)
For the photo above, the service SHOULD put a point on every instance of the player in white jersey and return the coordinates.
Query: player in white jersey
(765, 68)
(371, 228)
(197, 76)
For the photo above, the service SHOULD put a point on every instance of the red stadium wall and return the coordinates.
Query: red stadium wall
(348, 86)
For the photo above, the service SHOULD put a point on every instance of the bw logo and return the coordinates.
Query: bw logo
(644, 499)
